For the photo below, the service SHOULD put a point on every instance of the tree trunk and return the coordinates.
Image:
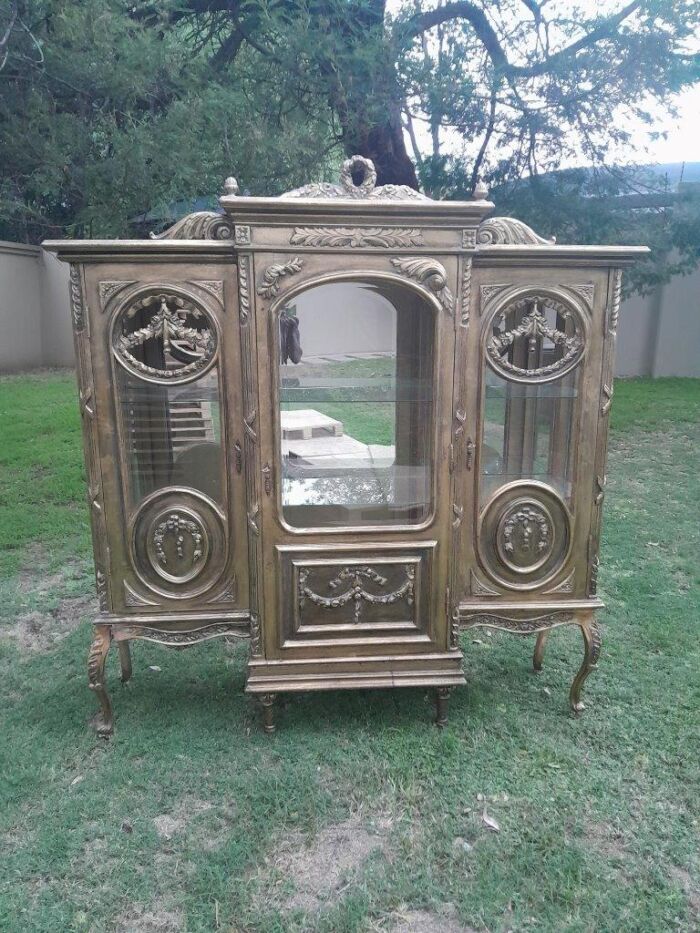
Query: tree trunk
(385, 145)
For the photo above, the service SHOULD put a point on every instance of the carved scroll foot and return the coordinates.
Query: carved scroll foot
(99, 649)
(442, 697)
(592, 640)
(539, 651)
(267, 701)
(125, 661)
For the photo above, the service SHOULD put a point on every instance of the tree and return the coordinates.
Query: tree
(536, 81)
(104, 119)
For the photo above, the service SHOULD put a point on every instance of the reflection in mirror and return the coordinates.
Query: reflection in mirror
(172, 434)
(528, 432)
(356, 410)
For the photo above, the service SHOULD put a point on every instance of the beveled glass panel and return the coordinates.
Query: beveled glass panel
(528, 432)
(356, 410)
(172, 434)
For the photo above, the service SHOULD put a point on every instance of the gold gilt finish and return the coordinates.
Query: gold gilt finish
(232, 491)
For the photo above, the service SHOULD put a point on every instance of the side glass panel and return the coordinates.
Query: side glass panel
(168, 394)
(172, 434)
(530, 392)
(356, 406)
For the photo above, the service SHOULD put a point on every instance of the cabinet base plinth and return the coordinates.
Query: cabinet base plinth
(435, 670)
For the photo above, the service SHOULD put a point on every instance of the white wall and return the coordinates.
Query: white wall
(659, 335)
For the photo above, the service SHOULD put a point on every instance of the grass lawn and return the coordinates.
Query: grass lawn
(358, 814)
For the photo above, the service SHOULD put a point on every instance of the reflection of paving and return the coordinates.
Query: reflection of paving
(306, 423)
(324, 466)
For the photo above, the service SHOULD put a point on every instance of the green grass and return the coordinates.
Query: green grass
(598, 815)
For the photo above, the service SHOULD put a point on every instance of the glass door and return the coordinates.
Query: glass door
(357, 454)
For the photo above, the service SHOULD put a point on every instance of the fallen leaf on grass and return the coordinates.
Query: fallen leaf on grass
(490, 822)
(77, 779)
(153, 667)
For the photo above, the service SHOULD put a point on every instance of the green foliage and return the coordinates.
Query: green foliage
(104, 118)
(598, 814)
(112, 111)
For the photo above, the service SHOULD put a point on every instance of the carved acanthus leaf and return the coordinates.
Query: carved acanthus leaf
(132, 598)
(430, 273)
(517, 626)
(480, 588)
(401, 237)
(566, 585)
(213, 286)
(508, 230)
(183, 639)
(202, 225)
(269, 285)
(108, 290)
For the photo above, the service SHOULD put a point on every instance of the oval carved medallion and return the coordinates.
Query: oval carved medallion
(525, 536)
(178, 545)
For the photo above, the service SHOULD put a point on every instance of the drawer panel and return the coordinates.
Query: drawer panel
(343, 594)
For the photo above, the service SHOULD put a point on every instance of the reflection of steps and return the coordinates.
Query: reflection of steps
(190, 421)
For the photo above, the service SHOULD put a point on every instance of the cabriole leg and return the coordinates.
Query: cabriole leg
(125, 660)
(592, 641)
(99, 650)
(539, 651)
(267, 701)
(442, 696)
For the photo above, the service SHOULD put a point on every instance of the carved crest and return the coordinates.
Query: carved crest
(364, 168)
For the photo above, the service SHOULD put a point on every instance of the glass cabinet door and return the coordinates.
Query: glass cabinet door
(531, 388)
(356, 406)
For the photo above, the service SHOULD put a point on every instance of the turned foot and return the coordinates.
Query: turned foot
(267, 701)
(539, 651)
(96, 678)
(442, 696)
(125, 660)
(592, 641)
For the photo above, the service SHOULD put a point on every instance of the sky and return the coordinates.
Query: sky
(683, 142)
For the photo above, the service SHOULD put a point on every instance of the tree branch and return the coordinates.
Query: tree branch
(464, 9)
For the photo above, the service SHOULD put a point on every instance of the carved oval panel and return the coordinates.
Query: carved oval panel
(535, 338)
(524, 535)
(165, 337)
(178, 542)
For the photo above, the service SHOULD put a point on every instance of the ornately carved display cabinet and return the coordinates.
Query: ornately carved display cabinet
(345, 423)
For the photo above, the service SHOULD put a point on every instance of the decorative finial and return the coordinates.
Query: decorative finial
(480, 191)
(230, 186)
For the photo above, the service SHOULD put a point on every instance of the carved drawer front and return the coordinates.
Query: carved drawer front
(357, 595)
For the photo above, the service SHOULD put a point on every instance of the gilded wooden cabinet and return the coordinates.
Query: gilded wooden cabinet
(345, 424)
